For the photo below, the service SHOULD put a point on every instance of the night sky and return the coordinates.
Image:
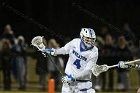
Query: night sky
(62, 19)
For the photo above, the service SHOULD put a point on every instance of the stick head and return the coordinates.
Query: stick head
(97, 69)
(38, 42)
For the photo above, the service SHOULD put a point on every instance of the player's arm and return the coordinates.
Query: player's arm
(62, 50)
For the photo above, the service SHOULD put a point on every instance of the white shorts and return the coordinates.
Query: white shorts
(78, 87)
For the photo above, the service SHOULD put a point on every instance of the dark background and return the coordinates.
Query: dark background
(65, 19)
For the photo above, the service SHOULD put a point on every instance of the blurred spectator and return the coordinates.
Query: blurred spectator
(8, 33)
(19, 63)
(13, 58)
(128, 33)
(108, 52)
(41, 68)
(58, 60)
(1, 44)
(130, 36)
(0, 53)
(103, 31)
(6, 63)
(8, 37)
(123, 54)
(138, 57)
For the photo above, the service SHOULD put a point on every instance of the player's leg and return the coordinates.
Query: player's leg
(90, 91)
(85, 87)
(87, 91)
(66, 88)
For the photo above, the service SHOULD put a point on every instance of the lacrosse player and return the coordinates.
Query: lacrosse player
(82, 58)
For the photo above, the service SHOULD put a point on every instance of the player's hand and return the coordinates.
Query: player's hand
(49, 51)
(68, 79)
(122, 64)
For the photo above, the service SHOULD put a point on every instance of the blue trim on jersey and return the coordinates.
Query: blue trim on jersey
(70, 76)
(86, 48)
(85, 89)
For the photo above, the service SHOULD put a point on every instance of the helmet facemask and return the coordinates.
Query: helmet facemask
(88, 37)
(89, 42)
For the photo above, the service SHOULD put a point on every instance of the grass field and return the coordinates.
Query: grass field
(33, 81)
(57, 92)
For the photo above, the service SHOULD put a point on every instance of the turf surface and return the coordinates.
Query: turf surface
(56, 92)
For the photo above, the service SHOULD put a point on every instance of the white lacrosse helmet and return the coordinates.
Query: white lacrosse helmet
(88, 37)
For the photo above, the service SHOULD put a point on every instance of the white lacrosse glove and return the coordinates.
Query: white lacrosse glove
(49, 51)
(122, 64)
(97, 69)
(67, 79)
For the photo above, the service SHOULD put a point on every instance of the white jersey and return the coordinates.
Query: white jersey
(79, 62)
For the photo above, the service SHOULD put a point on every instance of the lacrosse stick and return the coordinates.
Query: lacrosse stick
(38, 42)
(126, 63)
(97, 69)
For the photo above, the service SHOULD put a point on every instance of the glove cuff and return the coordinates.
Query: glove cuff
(52, 52)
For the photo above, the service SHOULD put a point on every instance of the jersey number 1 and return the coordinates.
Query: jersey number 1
(77, 63)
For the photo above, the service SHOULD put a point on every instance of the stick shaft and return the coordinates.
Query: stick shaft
(129, 62)
(51, 60)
